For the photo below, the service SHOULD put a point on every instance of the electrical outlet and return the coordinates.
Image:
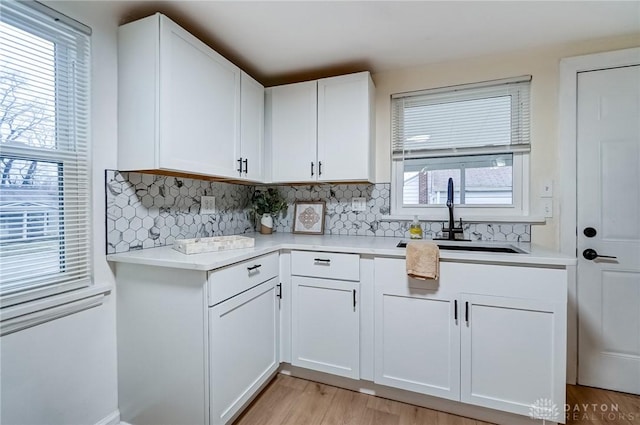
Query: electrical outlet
(207, 205)
(358, 204)
(547, 207)
(546, 189)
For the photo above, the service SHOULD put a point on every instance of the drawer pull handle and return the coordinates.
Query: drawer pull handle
(322, 260)
(252, 268)
(466, 312)
(354, 299)
(455, 310)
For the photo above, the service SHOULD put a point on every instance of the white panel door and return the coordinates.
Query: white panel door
(344, 136)
(199, 105)
(509, 356)
(326, 326)
(251, 128)
(243, 341)
(293, 132)
(417, 341)
(608, 126)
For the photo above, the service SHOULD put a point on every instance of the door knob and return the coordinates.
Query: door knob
(589, 232)
(591, 254)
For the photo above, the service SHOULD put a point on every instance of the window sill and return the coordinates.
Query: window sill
(23, 316)
(530, 219)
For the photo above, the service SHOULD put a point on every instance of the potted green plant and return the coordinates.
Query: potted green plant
(266, 204)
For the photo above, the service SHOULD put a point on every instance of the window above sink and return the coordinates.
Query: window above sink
(477, 134)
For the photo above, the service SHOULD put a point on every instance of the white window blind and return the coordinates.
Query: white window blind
(474, 119)
(45, 227)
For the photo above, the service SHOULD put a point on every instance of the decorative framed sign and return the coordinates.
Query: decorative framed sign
(308, 217)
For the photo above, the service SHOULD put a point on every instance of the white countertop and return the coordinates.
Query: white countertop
(368, 245)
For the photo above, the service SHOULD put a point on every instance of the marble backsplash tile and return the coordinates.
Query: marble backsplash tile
(145, 211)
(340, 219)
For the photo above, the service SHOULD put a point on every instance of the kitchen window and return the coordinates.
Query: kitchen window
(476, 134)
(45, 232)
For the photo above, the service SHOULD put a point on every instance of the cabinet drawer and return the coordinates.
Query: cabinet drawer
(232, 280)
(328, 265)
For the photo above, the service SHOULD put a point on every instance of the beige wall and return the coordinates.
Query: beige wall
(542, 64)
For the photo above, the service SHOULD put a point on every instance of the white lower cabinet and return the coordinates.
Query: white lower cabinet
(195, 346)
(242, 348)
(417, 341)
(509, 350)
(326, 326)
(482, 334)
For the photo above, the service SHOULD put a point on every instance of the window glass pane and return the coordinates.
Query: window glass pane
(477, 180)
(489, 185)
(31, 228)
(27, 84)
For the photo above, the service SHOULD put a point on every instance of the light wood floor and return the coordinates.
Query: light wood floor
(293, 401)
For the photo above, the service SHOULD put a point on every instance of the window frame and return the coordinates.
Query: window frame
(15, 298)
(519, 207)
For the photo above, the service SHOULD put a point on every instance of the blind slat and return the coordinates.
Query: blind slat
(45, 225)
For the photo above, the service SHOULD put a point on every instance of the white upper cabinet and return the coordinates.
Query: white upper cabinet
(251, 128)
(322, 130)
(179, 102)
(293, 132)
(345, 128)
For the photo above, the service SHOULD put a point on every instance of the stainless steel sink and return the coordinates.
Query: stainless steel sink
(504, 249)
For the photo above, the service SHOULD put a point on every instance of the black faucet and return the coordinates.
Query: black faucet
(452, 230)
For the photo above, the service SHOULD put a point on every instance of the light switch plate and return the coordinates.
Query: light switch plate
(546, 188)
(547, 207)
(207, 205)
(358, 204)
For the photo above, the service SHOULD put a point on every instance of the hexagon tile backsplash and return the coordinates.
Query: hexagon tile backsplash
(145, 211)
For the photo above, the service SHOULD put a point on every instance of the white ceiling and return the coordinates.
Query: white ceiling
(277, 41)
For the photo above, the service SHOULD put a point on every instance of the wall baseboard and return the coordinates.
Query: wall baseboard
(112, 418)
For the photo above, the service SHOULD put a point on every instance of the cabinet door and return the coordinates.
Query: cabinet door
(326, 326)
(510, 355)
(243, 334)
(417, 338)
(199, 105)
(251, 127)
(293, 132)
(345, 128)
